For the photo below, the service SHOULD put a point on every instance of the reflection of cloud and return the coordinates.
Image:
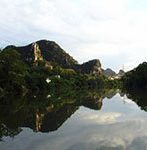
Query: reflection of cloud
(139, 143)
(88, 146)
(103, 118)
(120, 144)
(129, 135)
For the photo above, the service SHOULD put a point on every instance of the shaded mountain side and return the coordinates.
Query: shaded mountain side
(91, 67)
(53, 54)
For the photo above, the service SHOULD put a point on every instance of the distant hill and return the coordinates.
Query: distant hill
(121, 73)
(109, 72)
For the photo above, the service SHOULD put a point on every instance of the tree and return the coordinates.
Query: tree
(136, 78)
(12, 71)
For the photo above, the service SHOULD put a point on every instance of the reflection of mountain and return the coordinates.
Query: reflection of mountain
(50, 121)
(38, 121)
(95, 104)
(109, 94)
(91, 100)
(53, 120)
(45, 114)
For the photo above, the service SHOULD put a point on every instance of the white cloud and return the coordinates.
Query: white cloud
(109, 30)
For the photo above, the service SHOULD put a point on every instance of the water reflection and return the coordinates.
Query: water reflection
(96, 120)
(45, 113)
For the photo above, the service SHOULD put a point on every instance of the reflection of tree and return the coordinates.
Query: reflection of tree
(139, 97)
(53, 120)
(94, 99)
(42, 113)
(5, 131)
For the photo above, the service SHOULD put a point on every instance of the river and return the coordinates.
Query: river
(90, 121)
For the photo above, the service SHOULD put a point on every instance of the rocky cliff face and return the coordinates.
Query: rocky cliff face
(37, 52)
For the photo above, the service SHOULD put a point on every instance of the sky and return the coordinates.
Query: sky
(114, 31)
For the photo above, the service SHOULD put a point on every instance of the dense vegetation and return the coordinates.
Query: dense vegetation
(12, 72)
(18, 77)
(136, 78)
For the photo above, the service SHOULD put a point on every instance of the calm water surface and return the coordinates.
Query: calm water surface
(108, 122)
